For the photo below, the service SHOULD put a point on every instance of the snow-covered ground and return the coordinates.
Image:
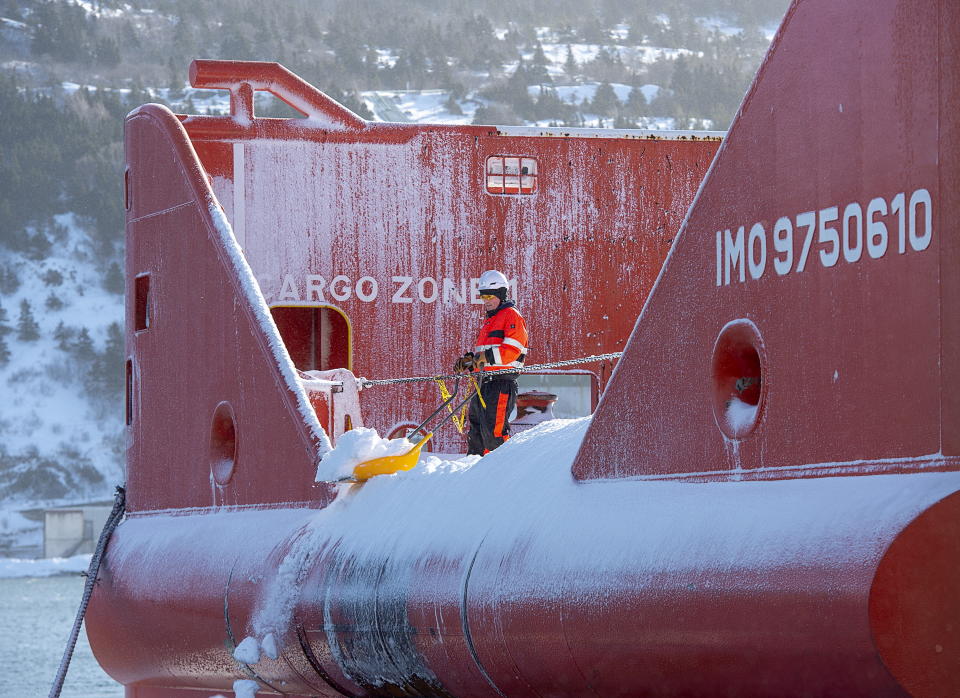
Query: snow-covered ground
(13, 568)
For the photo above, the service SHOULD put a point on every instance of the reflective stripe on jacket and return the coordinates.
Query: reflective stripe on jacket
(503, 338)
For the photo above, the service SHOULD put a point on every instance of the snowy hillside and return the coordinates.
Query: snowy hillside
(60, 420)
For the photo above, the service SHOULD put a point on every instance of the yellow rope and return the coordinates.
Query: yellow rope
(476, 386)
(445, 395)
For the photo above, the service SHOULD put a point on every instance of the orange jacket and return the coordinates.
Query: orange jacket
(503, 338)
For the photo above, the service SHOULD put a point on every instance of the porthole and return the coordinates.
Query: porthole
(223, 444)
(738, 375)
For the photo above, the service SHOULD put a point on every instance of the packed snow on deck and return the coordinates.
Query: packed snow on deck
(521, 504)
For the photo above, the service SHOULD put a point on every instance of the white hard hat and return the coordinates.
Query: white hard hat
(492, 280)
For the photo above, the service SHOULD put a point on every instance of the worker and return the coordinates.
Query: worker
(501, 344)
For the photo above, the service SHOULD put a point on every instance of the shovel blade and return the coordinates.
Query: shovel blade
(388, 465)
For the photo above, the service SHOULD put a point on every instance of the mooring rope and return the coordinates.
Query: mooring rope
(364, 383)
(119, 505)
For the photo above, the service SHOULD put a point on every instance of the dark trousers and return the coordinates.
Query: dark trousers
(490, 425)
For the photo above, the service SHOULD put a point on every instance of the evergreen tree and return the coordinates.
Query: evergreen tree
(63, 335)
(52, 277)
(5, 328)
(104, 377)
(636, 103)
(570, 65)
(9, 279)
(4, 352)
(53, 302)
(538, 73)
(27, 328)
(83, 347)
(452, 106)
(113, 279)
(605, 102)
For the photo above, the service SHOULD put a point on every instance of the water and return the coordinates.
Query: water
(36, 615)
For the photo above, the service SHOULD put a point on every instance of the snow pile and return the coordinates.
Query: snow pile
(354, 447)
(12, 568)
(457, 499)
(245, 688)
(740, 414)
(270, 647)
(248, 651)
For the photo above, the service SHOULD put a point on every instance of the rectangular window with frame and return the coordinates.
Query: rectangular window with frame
(512, 174)
(129, 400)
(141, 300)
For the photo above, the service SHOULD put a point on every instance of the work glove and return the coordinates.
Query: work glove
(479, 361)
(464, 363)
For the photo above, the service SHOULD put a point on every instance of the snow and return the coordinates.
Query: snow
(269, 646)
(417, 106)
(354, 447)
(45, 406)
(577, 94)
(632, 56)
(619, 527)
(248, 651)
(97, 10)
(245, 688)
(15, 568)
(740, 414)
(720, 24)
(13, 24)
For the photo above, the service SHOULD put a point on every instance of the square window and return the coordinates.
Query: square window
(511, 174)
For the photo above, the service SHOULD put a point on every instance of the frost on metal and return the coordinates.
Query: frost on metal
(251, 289)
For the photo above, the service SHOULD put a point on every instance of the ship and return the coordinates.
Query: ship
(760, 494)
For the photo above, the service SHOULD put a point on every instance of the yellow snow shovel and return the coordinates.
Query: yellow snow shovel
(405, 461)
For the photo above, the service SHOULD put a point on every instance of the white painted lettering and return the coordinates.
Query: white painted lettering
(757, 265)
(876, 230)
(345, 290)
(921, 242)
(719, 258)
(848, 232)
(733, 255)
(783, 243)
(808, 220)
(422, 289)
(404, 282)
(453, 293)
(315, 286)
(370, 295)
(852, 249)
(898, 206)
(829, 235)
(289, 292)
